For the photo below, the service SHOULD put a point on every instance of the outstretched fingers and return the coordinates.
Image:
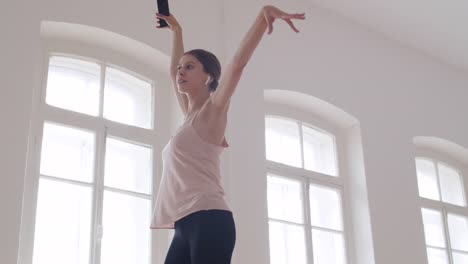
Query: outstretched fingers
(289, 17)
(300, 16)
(290, 23)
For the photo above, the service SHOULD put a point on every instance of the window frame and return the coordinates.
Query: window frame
(308, 177)
(443, 207)
(154, 137)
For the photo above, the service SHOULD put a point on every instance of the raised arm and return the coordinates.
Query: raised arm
(177, 53)
(233, 73)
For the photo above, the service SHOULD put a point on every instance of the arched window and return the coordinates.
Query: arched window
(95, 153)
(95, 163)
(305, 193)
(442, 191)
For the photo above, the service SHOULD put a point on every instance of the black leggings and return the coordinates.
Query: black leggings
(203, 237)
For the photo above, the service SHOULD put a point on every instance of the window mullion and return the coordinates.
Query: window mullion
(306, 203)
(101, 90)
(301, 141)
(308, 221)
(346, 232)
(444, 215)
(434, 247)
(438, 180)
(139, 195)
(447, 234)
(98, 195)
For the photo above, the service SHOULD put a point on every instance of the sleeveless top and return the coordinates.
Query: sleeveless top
(191, 177)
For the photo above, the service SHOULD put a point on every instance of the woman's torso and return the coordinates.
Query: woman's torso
(191, 179)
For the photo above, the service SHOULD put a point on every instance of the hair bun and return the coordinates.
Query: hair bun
(214, 84)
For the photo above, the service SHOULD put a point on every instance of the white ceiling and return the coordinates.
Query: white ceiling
(438, 28)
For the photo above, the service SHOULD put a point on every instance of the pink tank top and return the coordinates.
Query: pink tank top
(191, 178)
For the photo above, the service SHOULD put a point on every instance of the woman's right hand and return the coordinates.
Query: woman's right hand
(272, 13)
(171, 21)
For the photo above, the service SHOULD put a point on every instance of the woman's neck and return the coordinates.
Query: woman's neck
(195, 104)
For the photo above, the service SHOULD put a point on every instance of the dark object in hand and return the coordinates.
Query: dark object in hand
(163, 8)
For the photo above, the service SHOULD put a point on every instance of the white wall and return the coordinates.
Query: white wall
(19, 38)
(394, 92)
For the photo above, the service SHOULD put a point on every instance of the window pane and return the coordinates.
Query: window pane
(325, 207)
(284, 199)
(63, 223)
(460, 258)
(128, 166)
(126, 237)
(73, 85)
(458, 230)
(67, 153)
(437, 256)
(433, 228)
(451, 185)
(283, 141)
(319, 151)
(287, 244)
(127, 99)
(328, 247)
(427, 179)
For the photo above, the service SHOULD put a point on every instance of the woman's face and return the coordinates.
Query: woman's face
(191, 78)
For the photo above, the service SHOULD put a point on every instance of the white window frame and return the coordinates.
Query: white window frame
(155, 138)
(440, 206)
(307, 177)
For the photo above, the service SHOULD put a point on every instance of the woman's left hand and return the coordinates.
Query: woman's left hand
(271, 13)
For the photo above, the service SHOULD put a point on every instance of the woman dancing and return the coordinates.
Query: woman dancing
(191, 196)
